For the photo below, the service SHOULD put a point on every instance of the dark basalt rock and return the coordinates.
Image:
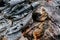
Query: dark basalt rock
(2, 4)
(36, 17)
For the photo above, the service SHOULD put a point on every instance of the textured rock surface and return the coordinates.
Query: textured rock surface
(41, 24)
